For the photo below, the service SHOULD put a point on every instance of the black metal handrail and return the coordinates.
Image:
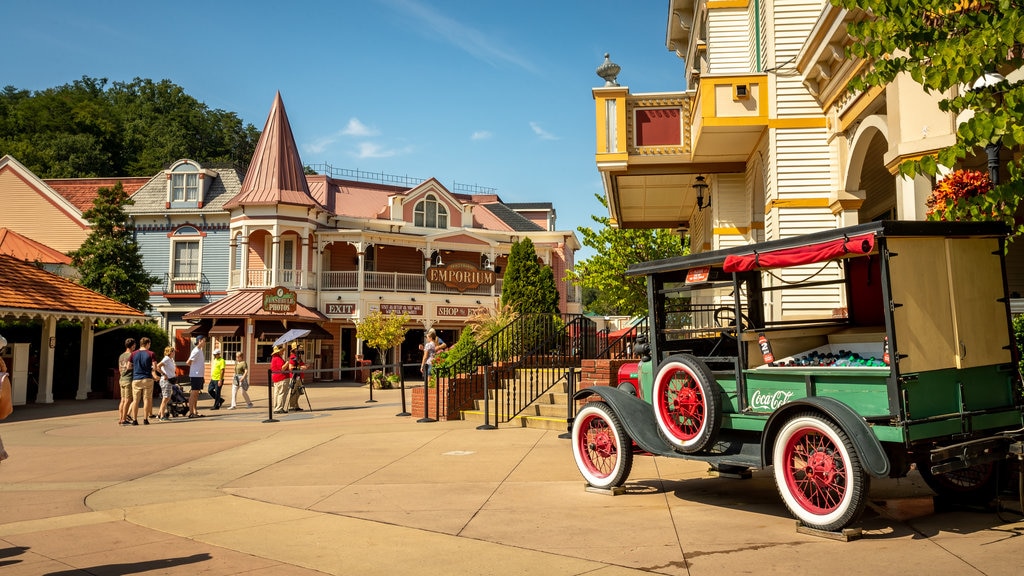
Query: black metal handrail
(522, 361)
(623, 346)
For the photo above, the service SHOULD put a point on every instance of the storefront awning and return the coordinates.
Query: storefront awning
(225, 330)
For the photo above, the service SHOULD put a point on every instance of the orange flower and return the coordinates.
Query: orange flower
(958, 185)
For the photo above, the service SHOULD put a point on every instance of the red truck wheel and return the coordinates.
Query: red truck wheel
(603, 451)
(687, 403)
(818, 473)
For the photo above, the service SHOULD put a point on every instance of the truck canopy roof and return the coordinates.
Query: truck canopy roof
(816, 247)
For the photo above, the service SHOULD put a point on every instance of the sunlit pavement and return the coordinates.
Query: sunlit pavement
(351, 488)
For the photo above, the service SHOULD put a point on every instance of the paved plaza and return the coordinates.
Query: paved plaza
(350, 488)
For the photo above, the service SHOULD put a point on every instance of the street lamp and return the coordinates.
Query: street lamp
(700, 186)
(993, 147)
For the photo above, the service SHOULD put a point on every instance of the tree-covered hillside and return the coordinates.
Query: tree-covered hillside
(92, 128)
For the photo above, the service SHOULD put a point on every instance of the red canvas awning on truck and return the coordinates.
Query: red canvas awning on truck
(810, 254)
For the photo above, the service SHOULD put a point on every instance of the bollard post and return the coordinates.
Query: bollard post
(570, 384)
(487, 410)
(401, 382)
(270, 397)
(426, 400)
(371, 392)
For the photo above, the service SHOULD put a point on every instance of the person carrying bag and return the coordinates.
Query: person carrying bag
(6, 396)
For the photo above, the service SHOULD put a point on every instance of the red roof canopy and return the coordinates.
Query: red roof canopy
(809, 254)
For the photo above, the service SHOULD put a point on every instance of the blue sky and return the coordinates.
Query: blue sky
(495, 94)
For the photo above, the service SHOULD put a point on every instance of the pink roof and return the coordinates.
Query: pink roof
(275, 174)
(28, 250)
(83, 191)
(355, 199)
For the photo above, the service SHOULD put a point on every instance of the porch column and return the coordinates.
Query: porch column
(360, 271)
(85, 360)
(45, 393)
(304, 265)
(243, 242)
(275, 258)
(426, 264)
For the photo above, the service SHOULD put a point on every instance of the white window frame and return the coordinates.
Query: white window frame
(185, 234)
(184, 183)
(430, 208)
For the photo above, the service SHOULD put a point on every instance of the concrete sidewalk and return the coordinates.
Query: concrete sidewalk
(350, 488)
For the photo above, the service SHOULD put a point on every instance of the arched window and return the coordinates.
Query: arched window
(184, 182)
(429, 213)
(186, 254)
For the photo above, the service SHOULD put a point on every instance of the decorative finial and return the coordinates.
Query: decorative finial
(609, 71)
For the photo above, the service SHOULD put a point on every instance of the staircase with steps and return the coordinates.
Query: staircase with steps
(548, 412)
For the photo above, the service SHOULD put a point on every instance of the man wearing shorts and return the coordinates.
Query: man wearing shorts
(143, 373)
(124, 368)
(196, 374)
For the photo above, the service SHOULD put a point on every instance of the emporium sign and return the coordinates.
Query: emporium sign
(461, 276)
(280, 300)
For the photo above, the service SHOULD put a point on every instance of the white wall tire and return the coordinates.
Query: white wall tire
(818, 473)
(687, 403)
(600, 446)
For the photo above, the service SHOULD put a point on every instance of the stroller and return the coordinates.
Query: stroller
(178, 406)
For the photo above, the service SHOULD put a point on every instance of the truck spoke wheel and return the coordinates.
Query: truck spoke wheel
(603, 451)
(687, 403)
(818, 473)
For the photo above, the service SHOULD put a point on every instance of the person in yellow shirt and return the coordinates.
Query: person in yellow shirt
(216, 375)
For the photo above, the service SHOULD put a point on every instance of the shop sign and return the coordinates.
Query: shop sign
(461, 276)
(454, 311)
(341, 309)
(410, 309)
(280, 300)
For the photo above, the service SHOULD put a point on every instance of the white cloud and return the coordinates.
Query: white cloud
(319, 145)
(357, 128)
(539, 131)
(375, 150)
(474, 42)
(481, 135)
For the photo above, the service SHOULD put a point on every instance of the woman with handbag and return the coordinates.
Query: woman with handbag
(6, 397)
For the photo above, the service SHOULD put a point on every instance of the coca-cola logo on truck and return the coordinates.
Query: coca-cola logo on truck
(769, 402)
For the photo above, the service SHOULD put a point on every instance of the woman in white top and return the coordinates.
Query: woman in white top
(167, 374)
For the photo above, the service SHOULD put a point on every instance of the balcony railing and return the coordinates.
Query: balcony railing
(348, 281)
(191, 285)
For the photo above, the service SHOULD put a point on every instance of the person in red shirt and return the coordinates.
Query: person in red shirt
(280, 378)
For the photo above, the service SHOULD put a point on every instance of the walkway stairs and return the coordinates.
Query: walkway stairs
(548, 412)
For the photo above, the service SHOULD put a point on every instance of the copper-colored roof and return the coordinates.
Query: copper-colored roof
(275, 174)
(28, 250)
(249, 304)
(26, 290)
(83, 191)
(355, 199)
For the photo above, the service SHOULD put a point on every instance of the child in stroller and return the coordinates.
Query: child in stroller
(178, 406)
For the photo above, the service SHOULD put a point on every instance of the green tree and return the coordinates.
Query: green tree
(382, 332)
(528, 286)
(89, 128)
(109, 260)
(603, 275)
(947, 46)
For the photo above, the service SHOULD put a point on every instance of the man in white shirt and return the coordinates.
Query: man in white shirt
(196, 375)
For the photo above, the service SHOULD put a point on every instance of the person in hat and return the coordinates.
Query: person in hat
(216, 377)
(196, 374)
(295, 361)
(280, 379)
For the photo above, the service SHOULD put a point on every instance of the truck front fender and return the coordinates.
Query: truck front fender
(869, 449)
(637, 418)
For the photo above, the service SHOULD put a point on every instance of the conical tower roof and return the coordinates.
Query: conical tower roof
(275, 174)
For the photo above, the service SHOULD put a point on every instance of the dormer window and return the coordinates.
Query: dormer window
(185, 186)
(429, 213)
(186, 181)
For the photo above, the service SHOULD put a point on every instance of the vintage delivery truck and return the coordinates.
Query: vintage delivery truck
(832, 357)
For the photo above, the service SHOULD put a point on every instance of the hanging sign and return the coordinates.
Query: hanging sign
(461, 276)
(280, 300)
